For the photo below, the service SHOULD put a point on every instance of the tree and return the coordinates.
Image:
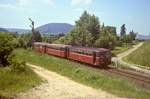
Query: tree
(61, 40)
(79, 36)
(85, 32)
(6, 48)
(25, 40)
(126, 38)
(133, 35)
(123, 30)
(52, 38)
(111, 29)
(37, 36)
(90, 23)
(7, 45)
(106, 39)
(32, 29)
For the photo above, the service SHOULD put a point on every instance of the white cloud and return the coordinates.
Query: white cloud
(88, 1)
(23, 2)
(78, 2)
(34, 2)
(9, 6)
(78, 9)
(26, 3)
(75, 2)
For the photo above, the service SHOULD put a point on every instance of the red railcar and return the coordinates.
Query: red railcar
(39, 47)
(93, 56)
(57, 50)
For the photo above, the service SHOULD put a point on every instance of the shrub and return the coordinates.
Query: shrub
(7, 45)
(18, 66)
(106, 40)
(6, 48)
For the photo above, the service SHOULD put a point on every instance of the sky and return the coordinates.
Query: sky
(134, 13)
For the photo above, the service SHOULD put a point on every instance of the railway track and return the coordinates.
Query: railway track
(139, 78)
(93, 57)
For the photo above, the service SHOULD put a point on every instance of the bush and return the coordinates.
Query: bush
(106, 40)
(79, 36)
(25, 40)
(17, 66)
(61, 40)
(7, 45)
(6, 48)
(127, 39)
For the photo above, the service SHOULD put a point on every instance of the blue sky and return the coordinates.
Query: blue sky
(134, 13)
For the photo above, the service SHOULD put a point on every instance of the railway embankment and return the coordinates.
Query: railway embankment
(83, 74)
(60, 87)
(120, 63)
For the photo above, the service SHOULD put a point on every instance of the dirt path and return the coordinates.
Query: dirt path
(59, 87)
(118, 60)
(135, 47)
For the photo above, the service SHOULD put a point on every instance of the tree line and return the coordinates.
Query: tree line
(90, 33)
(87, 32)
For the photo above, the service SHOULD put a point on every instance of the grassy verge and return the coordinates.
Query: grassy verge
(83, 74)
(14, 82)
(120, 49)
(141, 56)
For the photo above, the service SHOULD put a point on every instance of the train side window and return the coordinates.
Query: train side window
(108, 55)
(88, 53)
(41, 46)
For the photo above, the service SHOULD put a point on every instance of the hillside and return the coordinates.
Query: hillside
(143, 37)
(3, 30)
(55, 28)
(141, 56)
(18, 30)
(83, 74)
(52, 28)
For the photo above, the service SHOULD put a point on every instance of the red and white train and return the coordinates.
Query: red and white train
(93, 56)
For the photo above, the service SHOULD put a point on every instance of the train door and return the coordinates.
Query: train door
(94, 58)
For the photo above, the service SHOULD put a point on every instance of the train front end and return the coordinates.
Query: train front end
(104, 57)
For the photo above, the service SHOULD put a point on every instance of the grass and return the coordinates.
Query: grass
(120, 49)
(141, 56)
(85, 75)
(12, 83)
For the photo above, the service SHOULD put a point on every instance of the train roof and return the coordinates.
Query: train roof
(40, 43)
(52, 45)
(58, 45)
(90, 49)
(72, 47)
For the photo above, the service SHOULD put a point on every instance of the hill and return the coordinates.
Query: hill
(141, 56)
(18, 30)
(143, 37)
(3, 30)
(52, 28)
(55, 28)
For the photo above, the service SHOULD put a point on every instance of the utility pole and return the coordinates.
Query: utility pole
(32, 29)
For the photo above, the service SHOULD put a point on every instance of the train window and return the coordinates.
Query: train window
(41, 46)
(86, 53)
(98, 54)
(56, 48)
(108, 55)
(37, 45)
